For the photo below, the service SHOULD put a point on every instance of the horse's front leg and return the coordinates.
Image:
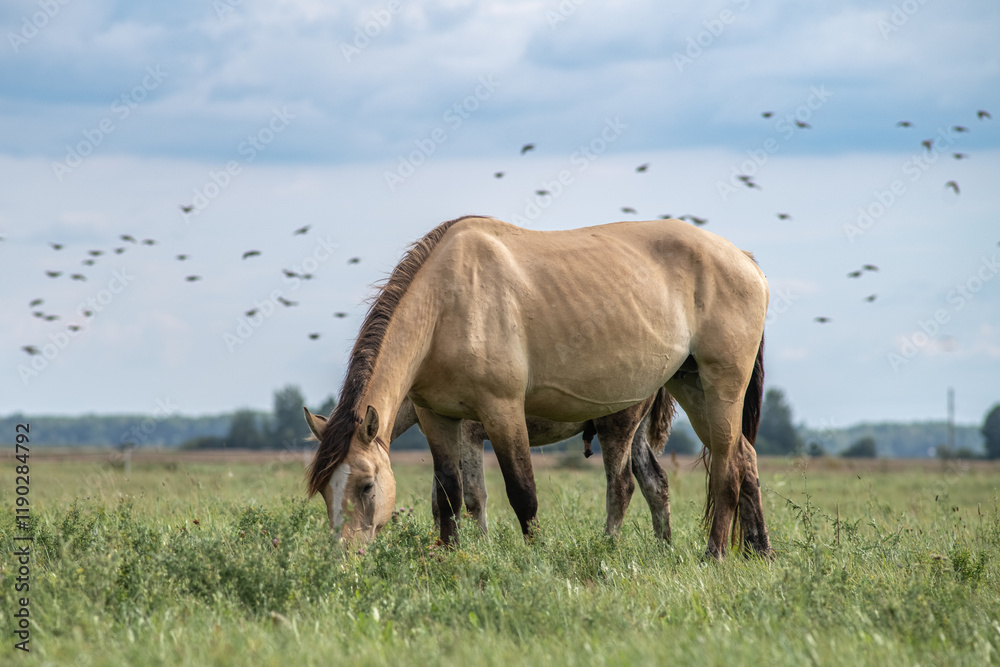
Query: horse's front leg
(505, 426)
(444, 438)
(473, 476)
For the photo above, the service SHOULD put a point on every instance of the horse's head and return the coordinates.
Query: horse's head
(361, 492)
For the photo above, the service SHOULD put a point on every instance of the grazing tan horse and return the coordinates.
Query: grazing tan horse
(646, 425)
(481, 320)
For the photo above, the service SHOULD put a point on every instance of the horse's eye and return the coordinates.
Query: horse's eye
(367, 488)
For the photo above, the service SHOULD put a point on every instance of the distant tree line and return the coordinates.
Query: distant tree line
(284, 428)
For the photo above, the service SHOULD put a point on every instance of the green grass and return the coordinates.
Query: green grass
(123, 575)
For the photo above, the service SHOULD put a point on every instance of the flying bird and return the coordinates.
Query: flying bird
(56, 246)
(871, 297)
(307, 276)
(695, 219)
(354, 260)
(39, 314)
(286, 303)
(927, 143)
(527, 147)
(187, 208)
(960, 128)
(119, 251)
(854, 274)
(251, 312)
(31, 349)
(78, 276)
(803, 124)
(748, 181)
(73, 327)
(666, 216)
(498, 174)
(767, 114)
(542, 193)
(313, 336)
(340, 314)
(960, 156)
(53, 274)
(88, 313)
(301, 230)
(983, 114)
(251, 253)
(629, 209)
(182, 257)
(290, 274)
(50, 318)
(870, 267)
(127, 237)
(87, 262)
(96, 253)
(904, 123)
(36, 302)
(821, 320)
(191, 279)
(784, 216)
(953, 185)
(642, 168)
(149, 241)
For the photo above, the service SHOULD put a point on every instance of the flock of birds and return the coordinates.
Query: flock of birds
(128, 240)
(928, 145)
(92, 257)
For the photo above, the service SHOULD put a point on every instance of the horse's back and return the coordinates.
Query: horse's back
(583, 321)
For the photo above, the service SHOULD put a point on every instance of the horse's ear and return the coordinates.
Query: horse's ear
(369, 427)
(316, 423)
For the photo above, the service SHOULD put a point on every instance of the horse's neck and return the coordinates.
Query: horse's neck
(406, 342)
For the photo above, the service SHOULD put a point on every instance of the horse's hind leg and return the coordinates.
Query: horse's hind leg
(717, 426)
(615, 432)
(755, 539)
(652, 481)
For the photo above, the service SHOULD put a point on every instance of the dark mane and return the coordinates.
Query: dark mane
(336, 441)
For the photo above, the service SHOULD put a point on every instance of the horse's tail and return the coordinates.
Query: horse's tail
(754, 396)
(661, 418)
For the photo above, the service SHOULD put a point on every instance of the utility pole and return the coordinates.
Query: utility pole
(951, 419)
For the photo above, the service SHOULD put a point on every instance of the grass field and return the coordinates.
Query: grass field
(223, 562)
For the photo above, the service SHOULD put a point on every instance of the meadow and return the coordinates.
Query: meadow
(224, 562)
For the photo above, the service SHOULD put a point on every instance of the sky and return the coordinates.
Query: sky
(370, 123)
